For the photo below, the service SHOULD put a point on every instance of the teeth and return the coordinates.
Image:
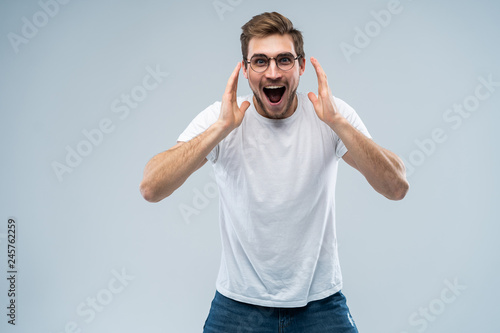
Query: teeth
(273, 87)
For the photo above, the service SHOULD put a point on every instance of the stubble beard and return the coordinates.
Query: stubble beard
(281, 115)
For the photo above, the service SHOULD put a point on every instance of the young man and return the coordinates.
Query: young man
(275, 155)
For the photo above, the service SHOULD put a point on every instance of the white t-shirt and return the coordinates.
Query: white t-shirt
(276, 180)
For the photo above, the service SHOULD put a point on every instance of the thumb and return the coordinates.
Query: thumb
(313, 98)
(244, 106)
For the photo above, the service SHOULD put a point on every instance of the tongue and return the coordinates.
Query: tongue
(274, 95)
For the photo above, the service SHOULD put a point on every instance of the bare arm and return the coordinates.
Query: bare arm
(167, 171)
(383, 169)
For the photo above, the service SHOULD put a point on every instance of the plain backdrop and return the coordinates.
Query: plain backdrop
(428, 263)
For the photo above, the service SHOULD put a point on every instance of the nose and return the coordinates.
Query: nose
(273, 72)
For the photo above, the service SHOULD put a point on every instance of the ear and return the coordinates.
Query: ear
(302, 65)
(245, 69)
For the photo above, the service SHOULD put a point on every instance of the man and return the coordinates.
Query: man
(275, 155)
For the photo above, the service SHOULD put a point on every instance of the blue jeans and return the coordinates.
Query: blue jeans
(328, 315)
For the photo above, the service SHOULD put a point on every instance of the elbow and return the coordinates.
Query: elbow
(399, 185)
(147, 192)
(150, 193)
(399, 190)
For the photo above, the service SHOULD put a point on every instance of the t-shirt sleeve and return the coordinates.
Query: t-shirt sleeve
(352, 117)
(200, 124)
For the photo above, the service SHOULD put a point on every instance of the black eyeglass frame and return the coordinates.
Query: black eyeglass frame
(249, 62)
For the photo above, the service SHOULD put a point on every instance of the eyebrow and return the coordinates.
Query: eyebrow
(265, 55)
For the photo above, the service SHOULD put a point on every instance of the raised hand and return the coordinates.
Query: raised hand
(324, 104)
(231, 115)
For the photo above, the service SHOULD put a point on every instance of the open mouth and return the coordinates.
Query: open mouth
(274, 93)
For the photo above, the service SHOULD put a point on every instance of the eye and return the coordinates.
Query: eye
(259, 61)
(285, 60)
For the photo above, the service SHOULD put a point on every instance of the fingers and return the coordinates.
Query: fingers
(319, 70)
(323, 88)
(232, 83)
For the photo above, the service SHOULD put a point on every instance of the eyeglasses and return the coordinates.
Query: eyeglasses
(284, 61)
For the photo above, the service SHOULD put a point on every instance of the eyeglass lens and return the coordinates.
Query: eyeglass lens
(259, 63)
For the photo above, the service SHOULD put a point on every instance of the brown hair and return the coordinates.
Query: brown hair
(267, 24)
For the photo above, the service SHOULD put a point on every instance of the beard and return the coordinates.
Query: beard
(289, 104)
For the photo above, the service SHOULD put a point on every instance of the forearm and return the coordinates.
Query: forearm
(168, 170)
(383, 169)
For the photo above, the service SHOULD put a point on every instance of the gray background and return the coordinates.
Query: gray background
(74, 232)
